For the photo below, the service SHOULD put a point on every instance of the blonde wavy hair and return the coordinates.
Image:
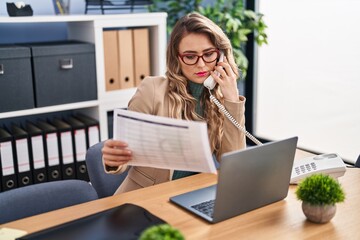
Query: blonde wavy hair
(182, 104)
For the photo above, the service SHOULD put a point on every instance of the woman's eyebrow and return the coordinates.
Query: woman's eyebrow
(195, 52)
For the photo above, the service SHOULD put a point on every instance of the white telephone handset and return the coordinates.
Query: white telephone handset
(329, 164)
(210, 83)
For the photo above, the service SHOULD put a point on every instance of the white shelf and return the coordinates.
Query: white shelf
(56, 108)
(89, 28)
(111, 18)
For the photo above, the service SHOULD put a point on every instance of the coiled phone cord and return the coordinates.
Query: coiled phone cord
(232, 119)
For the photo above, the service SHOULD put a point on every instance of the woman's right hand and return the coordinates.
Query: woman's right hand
(116, 153)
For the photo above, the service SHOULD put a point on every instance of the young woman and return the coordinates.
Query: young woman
(192, 55)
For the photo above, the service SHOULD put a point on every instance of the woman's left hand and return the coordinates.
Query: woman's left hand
(226, 80)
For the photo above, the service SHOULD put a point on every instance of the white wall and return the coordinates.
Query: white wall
(308, 76)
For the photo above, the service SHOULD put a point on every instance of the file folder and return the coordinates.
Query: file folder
(8, 168)
(22, 156)
(78, 130)
(126, 59)
(111, 60)
(37, 152)
(65, 141)
(51, 146)
(92, 129)
(141, 54)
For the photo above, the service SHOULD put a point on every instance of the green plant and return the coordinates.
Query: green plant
(319, 189)
(175, 9)
(161, 232)
(231, 16)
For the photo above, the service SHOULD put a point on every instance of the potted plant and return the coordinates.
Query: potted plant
(161, 232)
(319, 193)
(231, 16)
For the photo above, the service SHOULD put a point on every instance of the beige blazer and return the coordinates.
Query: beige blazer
(151, 97)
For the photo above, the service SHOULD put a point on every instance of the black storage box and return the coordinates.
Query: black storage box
(64, 72)
(16, 85)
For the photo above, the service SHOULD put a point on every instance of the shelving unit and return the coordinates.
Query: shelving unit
(90, 28)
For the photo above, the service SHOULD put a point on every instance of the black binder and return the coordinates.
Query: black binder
(37, 152)
(22, 156)
(65, 141)
(7, 161)
(79, 146)
(51, 148)
(92, 129)
(126, 221)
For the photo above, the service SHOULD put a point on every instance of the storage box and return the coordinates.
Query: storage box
(64, 72)
(16, 85)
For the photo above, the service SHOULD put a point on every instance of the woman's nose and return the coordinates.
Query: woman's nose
(200, 62)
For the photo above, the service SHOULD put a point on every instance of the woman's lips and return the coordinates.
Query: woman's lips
(201, 74)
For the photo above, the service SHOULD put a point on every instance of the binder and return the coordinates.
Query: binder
(8, 167)
(66, 154)
(37, 152)
(111, 60)
(126, 59)
(92, 129)
(22, 156)
(51, 147)
(78, 130)
(141, 54)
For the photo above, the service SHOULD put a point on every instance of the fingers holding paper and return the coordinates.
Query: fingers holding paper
(116, 153)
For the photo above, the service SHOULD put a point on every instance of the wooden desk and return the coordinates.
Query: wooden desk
(280, 220)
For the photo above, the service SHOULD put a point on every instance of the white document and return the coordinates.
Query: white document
(162, 142)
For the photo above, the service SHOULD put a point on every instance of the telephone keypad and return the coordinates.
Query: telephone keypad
(305, 168)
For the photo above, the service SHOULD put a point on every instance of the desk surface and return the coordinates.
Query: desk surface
(280, 220)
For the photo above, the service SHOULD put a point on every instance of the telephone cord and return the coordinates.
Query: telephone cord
(233, 120)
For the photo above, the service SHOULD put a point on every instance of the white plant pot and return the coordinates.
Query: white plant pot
(319, 213)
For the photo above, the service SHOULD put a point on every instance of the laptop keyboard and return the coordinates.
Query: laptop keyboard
(206, 208)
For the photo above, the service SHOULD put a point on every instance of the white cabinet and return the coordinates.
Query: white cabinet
(90, 28)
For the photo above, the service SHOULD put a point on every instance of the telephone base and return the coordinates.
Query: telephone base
(329, 164)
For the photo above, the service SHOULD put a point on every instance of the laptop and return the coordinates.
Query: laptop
(248, 179)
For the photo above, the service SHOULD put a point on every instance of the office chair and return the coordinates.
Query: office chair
(104, 184)
(43, 197)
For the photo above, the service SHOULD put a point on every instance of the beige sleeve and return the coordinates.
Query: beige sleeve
(233, 138)
(114, 170)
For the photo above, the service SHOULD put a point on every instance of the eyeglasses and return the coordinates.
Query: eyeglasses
(192, 59)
